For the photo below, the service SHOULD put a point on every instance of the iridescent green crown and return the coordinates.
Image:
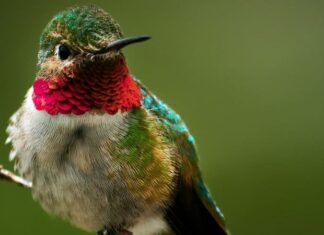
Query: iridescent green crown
(85, 28)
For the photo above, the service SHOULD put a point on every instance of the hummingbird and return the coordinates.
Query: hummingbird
(101, 150)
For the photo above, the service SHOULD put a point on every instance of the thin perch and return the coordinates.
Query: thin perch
(11, 177)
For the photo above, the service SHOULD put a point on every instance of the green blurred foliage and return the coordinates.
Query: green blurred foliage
(247, 76)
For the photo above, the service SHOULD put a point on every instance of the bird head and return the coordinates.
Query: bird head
(81, 67)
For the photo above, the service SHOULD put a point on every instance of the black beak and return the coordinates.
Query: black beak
(120, 43)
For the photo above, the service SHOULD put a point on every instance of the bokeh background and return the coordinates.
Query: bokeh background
(248, 78)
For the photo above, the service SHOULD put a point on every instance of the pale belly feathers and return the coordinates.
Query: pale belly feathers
(66, 159)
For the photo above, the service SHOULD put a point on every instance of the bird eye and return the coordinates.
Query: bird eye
(63, 52)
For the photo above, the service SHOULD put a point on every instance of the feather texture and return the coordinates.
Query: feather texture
(193, 210)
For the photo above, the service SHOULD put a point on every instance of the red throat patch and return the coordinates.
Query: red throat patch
(109, 91)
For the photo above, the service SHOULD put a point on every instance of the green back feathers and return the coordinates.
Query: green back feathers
(85, 28)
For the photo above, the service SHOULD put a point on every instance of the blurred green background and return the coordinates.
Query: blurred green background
(248, 78)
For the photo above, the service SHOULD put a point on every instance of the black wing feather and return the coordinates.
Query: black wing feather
(189, 216)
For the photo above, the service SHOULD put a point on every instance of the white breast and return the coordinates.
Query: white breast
(33, 131)
(70, 176)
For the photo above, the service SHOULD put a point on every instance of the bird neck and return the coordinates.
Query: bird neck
(104, 88)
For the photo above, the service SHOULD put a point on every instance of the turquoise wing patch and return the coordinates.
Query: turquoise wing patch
(171, 118)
